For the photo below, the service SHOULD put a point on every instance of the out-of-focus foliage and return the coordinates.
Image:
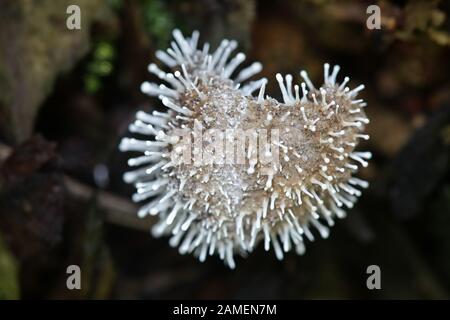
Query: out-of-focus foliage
(158, 21)
(97, 265)
(424, 18)
(116, 4)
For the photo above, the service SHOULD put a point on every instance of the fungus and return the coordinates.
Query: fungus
(277, 193)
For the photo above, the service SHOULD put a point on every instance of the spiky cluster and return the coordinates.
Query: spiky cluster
(228, 208)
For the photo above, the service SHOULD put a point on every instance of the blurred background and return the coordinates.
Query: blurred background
(67, 96)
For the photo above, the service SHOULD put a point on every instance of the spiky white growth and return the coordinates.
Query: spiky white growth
(229, 208)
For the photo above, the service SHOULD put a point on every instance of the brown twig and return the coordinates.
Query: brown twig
(118, 211)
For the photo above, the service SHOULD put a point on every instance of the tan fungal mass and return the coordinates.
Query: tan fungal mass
(283, 167)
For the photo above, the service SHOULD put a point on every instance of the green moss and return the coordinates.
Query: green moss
(115, 4)
(9, 284)
(158, 21)
(98, 269)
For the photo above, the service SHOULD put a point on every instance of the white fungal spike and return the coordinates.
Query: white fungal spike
(261, 91)
(333, 76)
(284, 92)
(308, 82)
(326, 71)
(240, 57)
(270, 193)
(248, 72)
(355, 91)
(253, 86)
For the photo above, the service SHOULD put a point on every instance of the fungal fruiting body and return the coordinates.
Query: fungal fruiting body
(227, 207)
